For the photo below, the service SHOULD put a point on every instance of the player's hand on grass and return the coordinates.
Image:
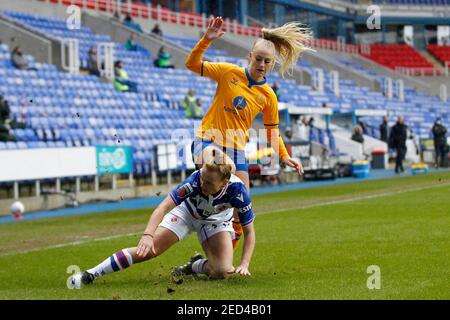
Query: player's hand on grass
(144, 246)
(293, 164)
(242, 270)
(213, 30)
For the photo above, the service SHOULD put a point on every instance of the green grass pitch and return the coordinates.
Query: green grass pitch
(314, 243)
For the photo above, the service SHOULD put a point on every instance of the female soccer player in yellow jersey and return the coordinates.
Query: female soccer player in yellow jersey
(242, 93)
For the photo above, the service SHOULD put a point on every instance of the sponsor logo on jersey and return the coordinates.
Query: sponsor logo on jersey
(185, 190)
(230, 110)
(239, 102)
(245, 209)
(240, 197)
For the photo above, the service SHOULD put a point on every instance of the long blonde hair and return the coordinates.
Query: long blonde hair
(289, 42)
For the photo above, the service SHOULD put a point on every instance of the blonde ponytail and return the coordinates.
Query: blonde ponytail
(289, 41)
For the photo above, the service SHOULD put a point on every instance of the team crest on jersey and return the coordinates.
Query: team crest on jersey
(239, 102)
(185, 190)
(174, 219)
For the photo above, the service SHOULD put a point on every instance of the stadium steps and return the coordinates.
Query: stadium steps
(431, 59)
(119, 33)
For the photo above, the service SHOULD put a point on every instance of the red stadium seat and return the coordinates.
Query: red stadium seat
(442, 53)
(399, 55)
(91, 4)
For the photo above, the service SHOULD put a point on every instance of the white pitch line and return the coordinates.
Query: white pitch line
(322, 204)
(68, 244)
(372, 196)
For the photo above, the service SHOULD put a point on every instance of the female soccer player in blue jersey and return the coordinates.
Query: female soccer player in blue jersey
(202, 203)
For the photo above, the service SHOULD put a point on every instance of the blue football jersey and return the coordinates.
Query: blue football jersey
(214, 207)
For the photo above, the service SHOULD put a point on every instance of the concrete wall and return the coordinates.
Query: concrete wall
(414, 82)
(14, 35)
(320, 60)
(49, 202)
(39, 45)
(34, 7)
(120, 33)
(436, 83)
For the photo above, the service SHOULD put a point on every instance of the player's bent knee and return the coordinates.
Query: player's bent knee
(221, 272)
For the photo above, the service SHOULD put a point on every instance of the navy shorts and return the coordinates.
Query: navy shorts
(238, 156)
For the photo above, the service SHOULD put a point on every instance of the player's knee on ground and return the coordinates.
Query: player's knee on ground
(220, 272)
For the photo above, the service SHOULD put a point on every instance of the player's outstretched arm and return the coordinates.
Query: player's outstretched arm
(247, 252)
(146, 242)
(214, 29)
(213, 32)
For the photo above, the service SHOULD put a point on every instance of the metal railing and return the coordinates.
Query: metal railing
(413, 72)
(328, 44)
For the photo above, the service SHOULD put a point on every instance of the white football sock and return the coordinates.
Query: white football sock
(199, 266)
(118, 261)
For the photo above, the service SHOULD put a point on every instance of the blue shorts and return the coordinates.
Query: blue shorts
(238, 156)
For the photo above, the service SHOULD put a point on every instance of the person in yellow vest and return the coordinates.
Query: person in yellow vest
(121, 81)
(243, 93)
(188, 104)
(198, 109)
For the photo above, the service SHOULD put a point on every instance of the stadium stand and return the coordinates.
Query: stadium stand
(395, 56)
(142, 120)
(413, 2)
(442, 53)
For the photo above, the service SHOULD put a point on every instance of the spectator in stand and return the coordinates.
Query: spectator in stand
(128, 21)
(311, 122)
(116, 16)
(324, 105)
(198, 109)
(121, 81)
(440, 142)
(163, 59)
(156, 30)
(358, 134)
(5, 134)
(5, 111)
(397, 141)
(288, 135)
(18, 60)
(302, 132)
(276, 89)
(92, 63)
(189, 104)
(384, 130)
(363, 127)
(131, 45)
